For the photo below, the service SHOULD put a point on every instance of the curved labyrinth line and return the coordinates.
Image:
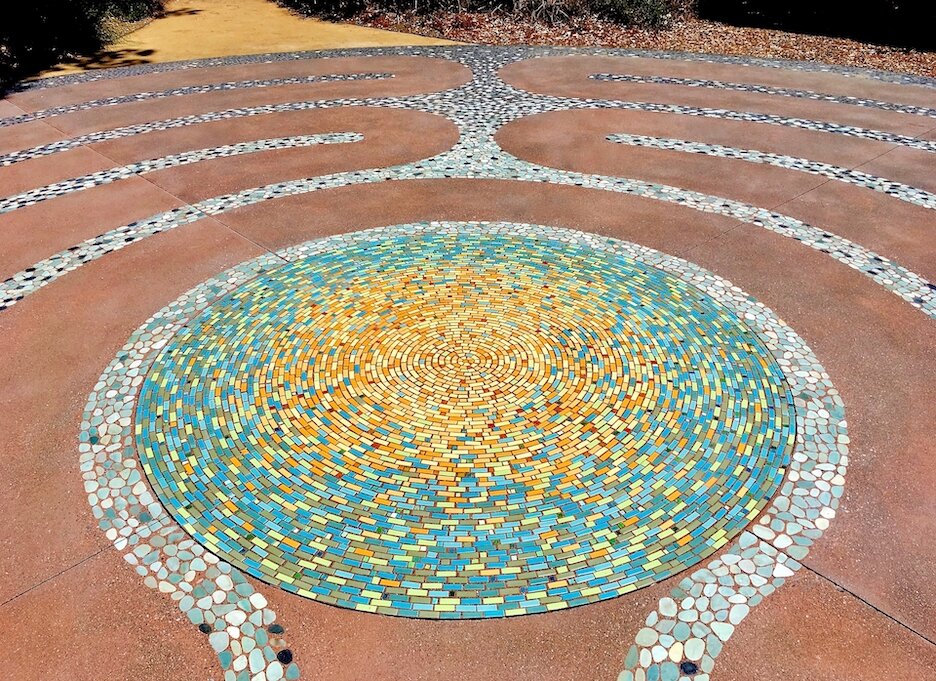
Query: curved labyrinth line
(191, 90)
(769, 119)
(479, 108)
(51, 191)
(899, 280)
(766, 90)
(331, 78)
(171, 123)
(472, 61)
(416, 102)
(691, 625)
(897, 190)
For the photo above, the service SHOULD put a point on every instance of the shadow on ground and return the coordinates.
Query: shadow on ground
(51, 32)
(107, 59)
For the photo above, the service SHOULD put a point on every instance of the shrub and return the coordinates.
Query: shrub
(550, 11)
(326, 9)
(634, 12)
(650, 13)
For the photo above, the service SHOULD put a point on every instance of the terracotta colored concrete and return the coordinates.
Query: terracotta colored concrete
(817, 81)
(891, 228)
(577, 141)
(405, 68)
(43, 170)
(881, 355)
(569, 77)
(343, 645)
(834, 637)
(8, 108)
(70, 608)
(233, 130)
(38, 231)
(281, 223)
(391, 137)
(409, 75)
(814, 145)
(26, 135)
(98, 621)
(54, 350)
(907, 165)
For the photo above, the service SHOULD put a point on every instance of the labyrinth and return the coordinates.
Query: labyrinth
(302, 350)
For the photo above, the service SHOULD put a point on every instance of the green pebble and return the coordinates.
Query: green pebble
(631, 659)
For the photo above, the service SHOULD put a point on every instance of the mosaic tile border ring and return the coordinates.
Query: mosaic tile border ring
(127, 512)
(447, 516)
(236, 620)
(682, 637)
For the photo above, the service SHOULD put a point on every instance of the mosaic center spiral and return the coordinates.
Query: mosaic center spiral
(465, 424)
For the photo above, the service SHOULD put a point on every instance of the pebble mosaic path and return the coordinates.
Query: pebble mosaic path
(465, 419)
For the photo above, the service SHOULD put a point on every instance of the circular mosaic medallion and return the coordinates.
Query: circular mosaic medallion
(464, 424)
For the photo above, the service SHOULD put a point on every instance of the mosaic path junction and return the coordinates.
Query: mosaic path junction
(423, 362)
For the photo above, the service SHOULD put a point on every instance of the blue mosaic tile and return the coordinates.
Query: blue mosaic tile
(503, 426)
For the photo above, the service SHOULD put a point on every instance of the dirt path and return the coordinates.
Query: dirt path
(194, 29)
